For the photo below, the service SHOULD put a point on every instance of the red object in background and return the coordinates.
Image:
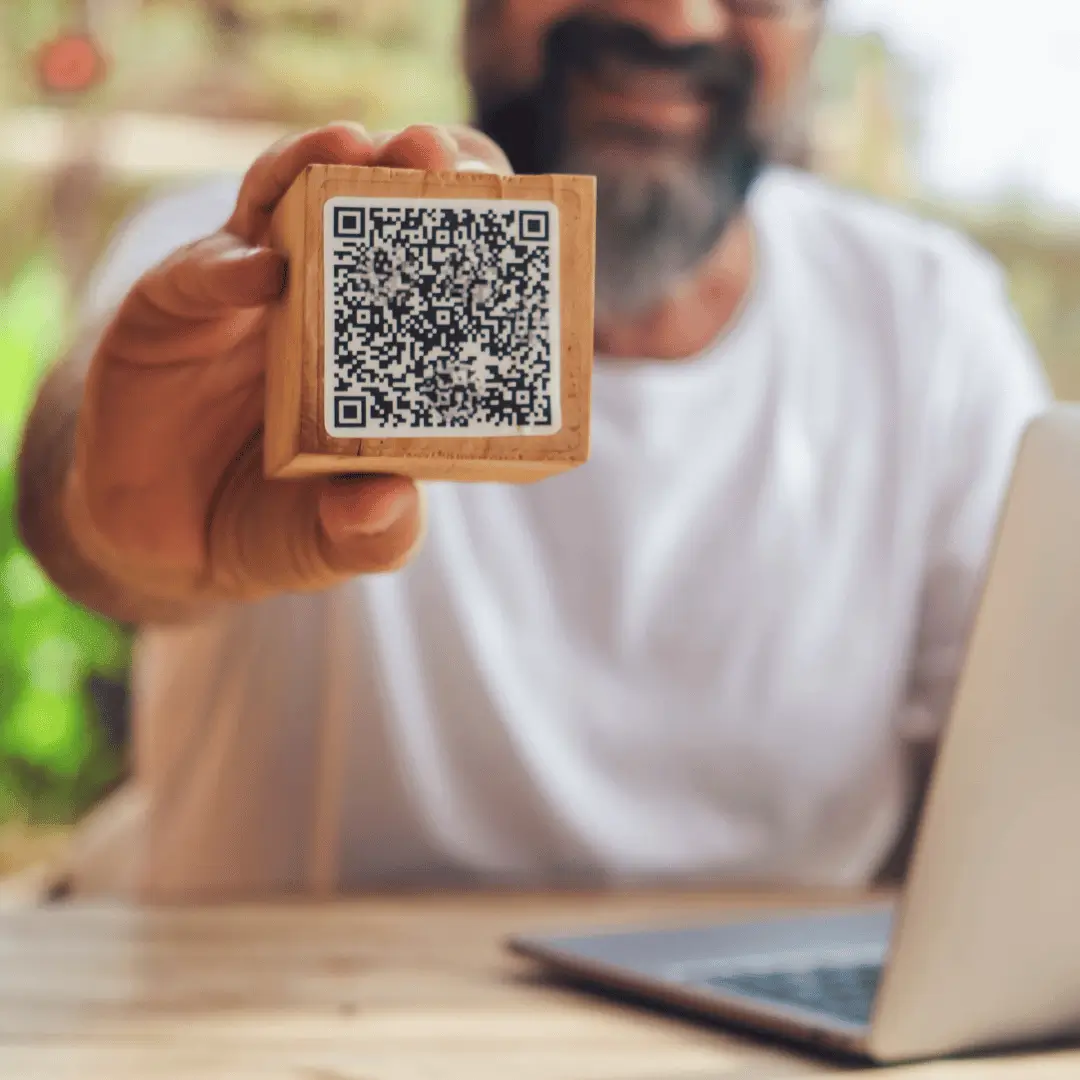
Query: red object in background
(70, 64)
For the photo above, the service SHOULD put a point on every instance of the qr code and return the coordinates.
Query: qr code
(442, 317)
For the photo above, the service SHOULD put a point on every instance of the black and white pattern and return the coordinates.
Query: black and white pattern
(442, 317)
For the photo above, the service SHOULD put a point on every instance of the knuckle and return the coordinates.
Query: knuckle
(430, 136)
(332, 134)
(435, 131)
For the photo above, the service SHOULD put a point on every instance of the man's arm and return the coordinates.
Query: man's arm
(44, 460)
(49, 434)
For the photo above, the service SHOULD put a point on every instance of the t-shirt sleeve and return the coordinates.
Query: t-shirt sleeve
(989, 384)
(163, 223)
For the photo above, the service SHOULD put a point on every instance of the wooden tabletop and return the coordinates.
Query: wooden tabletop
(414, 988)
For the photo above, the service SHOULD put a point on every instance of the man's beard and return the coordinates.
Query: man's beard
(654, 228)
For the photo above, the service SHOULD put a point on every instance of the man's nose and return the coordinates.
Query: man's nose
(673, 22)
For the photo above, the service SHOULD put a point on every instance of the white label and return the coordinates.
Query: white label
(442, 318)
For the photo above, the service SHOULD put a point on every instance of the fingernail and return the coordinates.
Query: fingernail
(386, 513)
(474, 165)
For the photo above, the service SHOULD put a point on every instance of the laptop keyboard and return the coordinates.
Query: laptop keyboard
(845, 992)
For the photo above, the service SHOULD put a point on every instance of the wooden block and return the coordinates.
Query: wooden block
(436, 325)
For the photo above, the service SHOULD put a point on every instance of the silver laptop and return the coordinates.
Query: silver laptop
(982, 949)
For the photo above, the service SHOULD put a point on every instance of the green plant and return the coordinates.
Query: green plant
(54, 758)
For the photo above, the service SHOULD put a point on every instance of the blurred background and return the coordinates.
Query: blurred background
(960, 109)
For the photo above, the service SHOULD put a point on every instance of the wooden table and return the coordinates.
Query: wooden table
(380, 989)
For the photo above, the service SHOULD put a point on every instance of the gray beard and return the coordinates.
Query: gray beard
(652, 234)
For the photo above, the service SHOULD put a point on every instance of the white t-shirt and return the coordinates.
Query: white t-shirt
(696, 657)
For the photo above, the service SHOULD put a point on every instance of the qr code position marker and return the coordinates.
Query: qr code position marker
(437, 325)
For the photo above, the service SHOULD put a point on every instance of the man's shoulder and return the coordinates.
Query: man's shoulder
(919, 294)
(858, 233)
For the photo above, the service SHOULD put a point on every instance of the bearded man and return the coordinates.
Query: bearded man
(702, 656)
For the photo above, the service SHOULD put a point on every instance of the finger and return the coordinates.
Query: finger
(273, 536)
(275, 171)
(422, 146)
(369, 526)
(212, 276)
(474, 155)
(475, 145)
(363, 506)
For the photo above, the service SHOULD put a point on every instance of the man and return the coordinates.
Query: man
(699, 656)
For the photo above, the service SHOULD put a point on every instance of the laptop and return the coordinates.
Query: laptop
(981, 949)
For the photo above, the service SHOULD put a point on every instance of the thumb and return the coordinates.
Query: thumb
(369, 524)
(273, 536)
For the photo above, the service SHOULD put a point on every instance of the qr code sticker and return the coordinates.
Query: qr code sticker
(442, 317)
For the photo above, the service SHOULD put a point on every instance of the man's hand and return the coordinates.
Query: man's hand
(166, 491)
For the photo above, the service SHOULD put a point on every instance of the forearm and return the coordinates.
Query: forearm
(44, 462)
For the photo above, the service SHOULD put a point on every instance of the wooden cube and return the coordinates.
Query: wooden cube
(436, 325)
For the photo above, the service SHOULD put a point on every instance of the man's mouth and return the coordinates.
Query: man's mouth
(648, 108)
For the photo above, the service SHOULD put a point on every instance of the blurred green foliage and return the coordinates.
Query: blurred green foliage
(54, 758)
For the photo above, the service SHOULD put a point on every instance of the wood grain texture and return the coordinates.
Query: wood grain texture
(385, 988)
(296, 441)
(287, 340)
